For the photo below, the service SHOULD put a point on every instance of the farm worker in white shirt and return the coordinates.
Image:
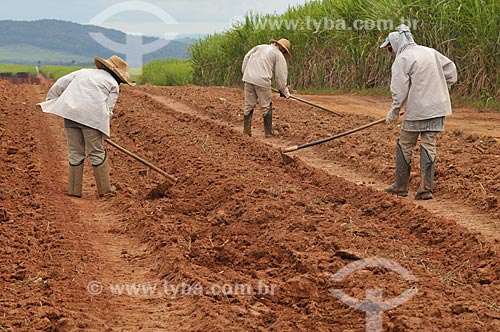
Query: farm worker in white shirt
(85, 99)
(421, 78)
(258, 67)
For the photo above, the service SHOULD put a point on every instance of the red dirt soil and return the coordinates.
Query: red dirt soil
(238, 216)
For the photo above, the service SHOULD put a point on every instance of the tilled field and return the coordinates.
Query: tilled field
(237, 217)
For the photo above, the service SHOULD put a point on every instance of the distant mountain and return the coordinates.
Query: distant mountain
(62, 42)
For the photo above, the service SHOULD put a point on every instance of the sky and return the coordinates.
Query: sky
(145, 17)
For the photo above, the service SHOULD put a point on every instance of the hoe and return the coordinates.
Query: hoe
(169, 177)
(311, 104)
(287, 159)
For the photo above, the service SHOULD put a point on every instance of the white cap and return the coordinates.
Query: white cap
(386, 43)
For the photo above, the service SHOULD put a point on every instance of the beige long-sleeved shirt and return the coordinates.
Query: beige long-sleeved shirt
(86, 96)
(260, 63)
(421, 78)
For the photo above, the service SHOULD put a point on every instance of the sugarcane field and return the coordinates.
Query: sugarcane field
(275, 189)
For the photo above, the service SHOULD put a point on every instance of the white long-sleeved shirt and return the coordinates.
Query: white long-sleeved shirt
(260, 63)
(86, 96)
(421, 78)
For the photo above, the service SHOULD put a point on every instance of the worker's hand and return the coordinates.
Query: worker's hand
(285, 94)
(392, 116)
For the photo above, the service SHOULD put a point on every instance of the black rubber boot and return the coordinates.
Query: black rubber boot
(427, 171)
(75, 180)
(101, 174)
(268, 123)
(402, 178)
(247, 124)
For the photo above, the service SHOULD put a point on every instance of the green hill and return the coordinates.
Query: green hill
(60, 42)
(28, 54)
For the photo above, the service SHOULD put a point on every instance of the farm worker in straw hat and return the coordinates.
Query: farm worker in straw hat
(85, 99)
(421, 78)
(258, 66)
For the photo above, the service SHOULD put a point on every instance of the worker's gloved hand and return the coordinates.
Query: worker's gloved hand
(392, 116)
(285, 94)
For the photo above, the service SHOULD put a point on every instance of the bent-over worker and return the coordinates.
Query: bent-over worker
(258, 67)
(85, 99)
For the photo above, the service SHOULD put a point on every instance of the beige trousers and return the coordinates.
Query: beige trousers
(254, 93)
(408, 141)
(81, 139)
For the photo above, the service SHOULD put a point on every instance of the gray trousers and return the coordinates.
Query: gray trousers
(254, 93)
(408, 141)
(85, 139)
(426, 129)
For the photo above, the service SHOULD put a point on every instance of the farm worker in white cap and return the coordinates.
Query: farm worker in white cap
(421, 78)
(258, 66)
(85, 99)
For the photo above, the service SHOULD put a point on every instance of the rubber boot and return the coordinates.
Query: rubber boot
(268, 123)
(427, 170)
(247, 124)
(402, 178)
(101, 174)
(75, 180)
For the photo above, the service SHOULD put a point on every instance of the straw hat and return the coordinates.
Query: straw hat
(285, 43)
(117, 65)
